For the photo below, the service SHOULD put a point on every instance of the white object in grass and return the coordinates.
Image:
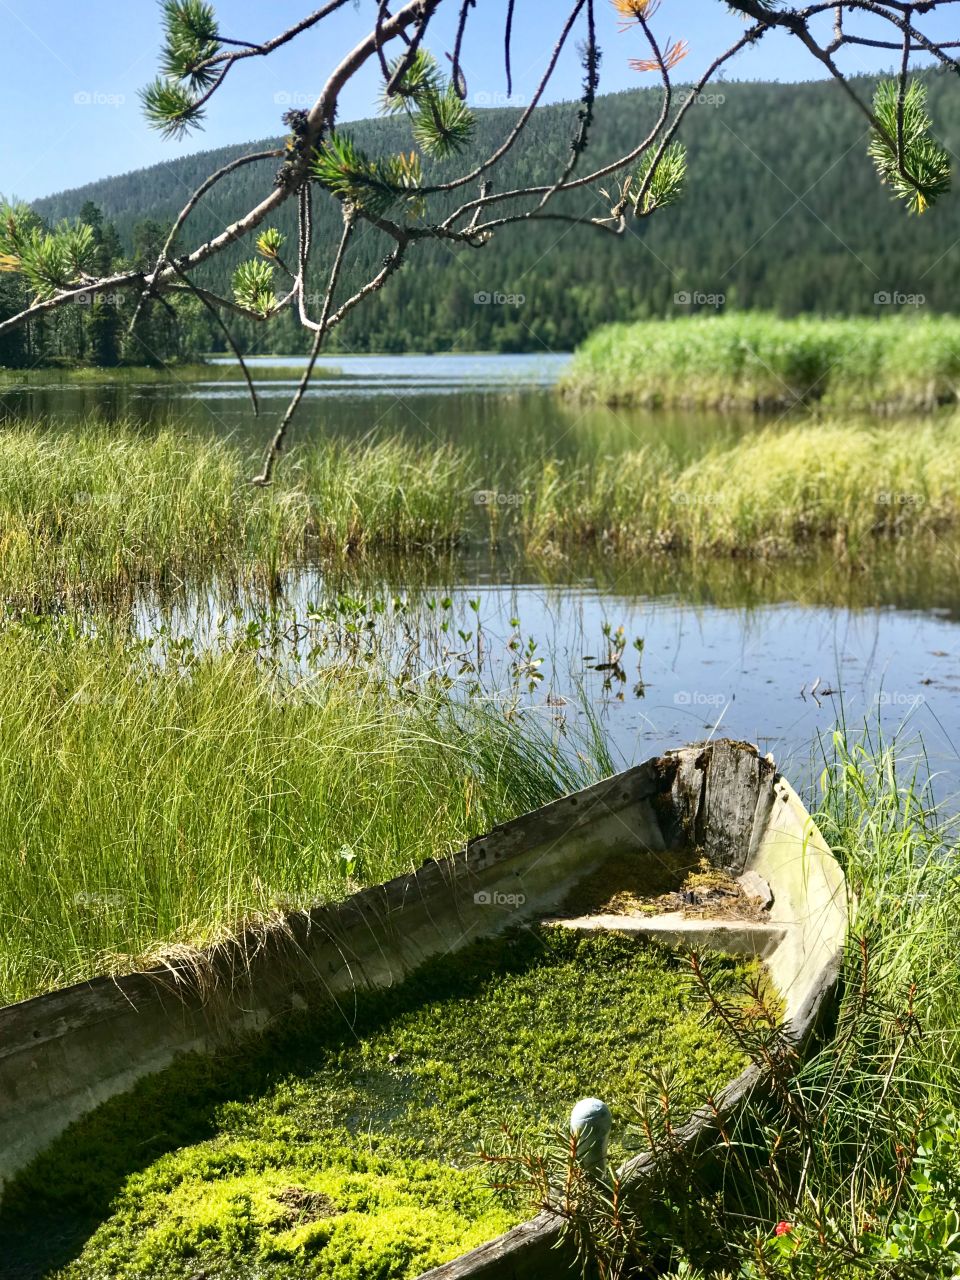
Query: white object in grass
(590, 1124)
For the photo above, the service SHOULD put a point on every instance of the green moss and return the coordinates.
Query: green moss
(251, 1207)
(345, 1147)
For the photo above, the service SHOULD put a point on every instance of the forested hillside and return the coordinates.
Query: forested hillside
(778, 177)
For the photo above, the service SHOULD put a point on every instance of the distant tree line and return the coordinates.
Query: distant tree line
(781, 212)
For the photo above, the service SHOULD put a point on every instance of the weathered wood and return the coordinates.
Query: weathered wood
(531, 1251)
(63, 1053)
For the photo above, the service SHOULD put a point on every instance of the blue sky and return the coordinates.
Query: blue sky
(69, 73)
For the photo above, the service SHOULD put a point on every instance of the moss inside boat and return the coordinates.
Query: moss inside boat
(343, 1147)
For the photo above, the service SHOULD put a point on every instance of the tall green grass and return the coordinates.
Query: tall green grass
(769, 493)
(98, 511)
(755, 361)
(143, 806)
(869, 1173)
(94, 514)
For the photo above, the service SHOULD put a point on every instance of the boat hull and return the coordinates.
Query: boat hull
(62, 1054)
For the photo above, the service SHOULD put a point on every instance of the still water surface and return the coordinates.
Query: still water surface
(772, 653)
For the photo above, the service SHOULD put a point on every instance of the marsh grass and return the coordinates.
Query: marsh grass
(755, 361)
(890, 1070)
(96, 512)
(383, 494)
(144, 805)
(772, 493)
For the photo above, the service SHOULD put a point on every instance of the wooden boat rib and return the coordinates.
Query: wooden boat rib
(64, 1053)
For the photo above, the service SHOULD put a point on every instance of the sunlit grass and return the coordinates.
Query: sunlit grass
(770, 493)
(142, 805)
(94, 514)
(749, 360)
(96, 511)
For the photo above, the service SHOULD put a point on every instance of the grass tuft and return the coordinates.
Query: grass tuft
(771, 493)
(96, 512)
(144, 806)
(762, 362)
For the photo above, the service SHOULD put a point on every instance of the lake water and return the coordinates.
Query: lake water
(774, 653)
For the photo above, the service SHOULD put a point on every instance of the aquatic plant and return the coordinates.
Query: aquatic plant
(153, 797)
(756, 361)
(98, 511)
(772, 493)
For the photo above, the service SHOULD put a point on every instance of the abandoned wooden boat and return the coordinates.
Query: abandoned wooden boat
(64, 1053)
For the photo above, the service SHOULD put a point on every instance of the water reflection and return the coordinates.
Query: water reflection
(656, 667)
(755, 649)
(493, 405)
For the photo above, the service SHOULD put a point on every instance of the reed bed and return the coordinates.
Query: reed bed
(98, 511)
(93, 515)
(145, 805)
(896, 364)
(772, 493)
